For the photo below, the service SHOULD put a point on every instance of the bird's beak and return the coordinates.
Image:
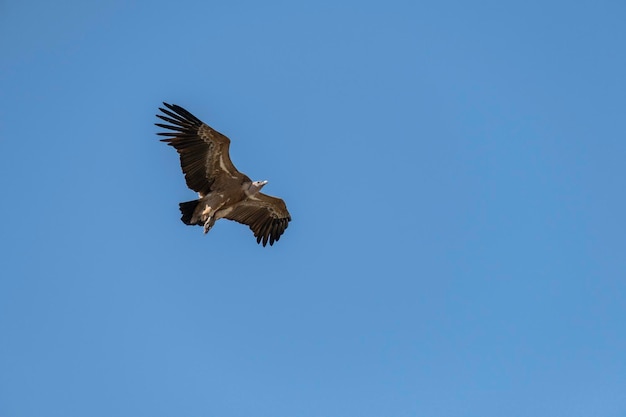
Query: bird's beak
(264, 182)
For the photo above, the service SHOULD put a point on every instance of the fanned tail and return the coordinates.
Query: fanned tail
(187, 208)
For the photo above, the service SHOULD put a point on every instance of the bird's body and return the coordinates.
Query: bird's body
(223, 191)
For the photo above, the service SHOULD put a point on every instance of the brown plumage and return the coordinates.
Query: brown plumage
(224, 191)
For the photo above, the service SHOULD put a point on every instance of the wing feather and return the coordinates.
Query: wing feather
(203, 151)
(266, 216)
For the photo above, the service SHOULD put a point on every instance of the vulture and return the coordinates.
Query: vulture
(223, 191)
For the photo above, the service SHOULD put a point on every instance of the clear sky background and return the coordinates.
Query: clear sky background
(455, 173)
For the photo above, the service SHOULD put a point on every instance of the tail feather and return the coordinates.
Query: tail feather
(187, 208)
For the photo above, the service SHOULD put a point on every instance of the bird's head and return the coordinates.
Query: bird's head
(255, 187)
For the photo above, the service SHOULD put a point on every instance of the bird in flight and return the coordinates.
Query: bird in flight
(223, 191)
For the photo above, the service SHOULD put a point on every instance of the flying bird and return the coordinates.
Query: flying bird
(223, 191)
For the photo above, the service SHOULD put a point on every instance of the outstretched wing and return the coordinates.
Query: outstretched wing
(203, 151)
(267, 216)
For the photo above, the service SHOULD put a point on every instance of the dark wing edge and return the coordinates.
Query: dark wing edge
(266, 216)
(193, 149)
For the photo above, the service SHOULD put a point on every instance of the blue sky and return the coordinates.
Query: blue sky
(455, 174)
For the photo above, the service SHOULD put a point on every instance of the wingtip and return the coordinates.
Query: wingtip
(169, 106)
(161, 109)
